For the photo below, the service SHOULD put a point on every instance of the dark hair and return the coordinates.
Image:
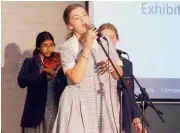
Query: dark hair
(66, 15)
(109, 26)
(41, 37)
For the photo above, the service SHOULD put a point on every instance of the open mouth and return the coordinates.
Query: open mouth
(85, 26)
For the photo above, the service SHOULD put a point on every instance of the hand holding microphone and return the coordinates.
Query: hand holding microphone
(88, 37)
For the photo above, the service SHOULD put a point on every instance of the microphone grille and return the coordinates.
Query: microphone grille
(91, 26)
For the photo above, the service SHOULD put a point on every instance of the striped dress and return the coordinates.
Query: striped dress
(92, 106)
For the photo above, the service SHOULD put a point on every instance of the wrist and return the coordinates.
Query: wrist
(85, 57)
(135, 123)
(42, 70)
(86, 52)
(136, 120)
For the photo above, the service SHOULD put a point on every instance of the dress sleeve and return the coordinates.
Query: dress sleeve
(67, 58)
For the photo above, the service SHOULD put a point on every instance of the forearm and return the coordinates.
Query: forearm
(134, 110)
(115, 75)
(77, 73)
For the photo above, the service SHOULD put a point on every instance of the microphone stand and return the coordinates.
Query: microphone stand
(145, 101)
(121, 112)
(124, 86)
(146, 104)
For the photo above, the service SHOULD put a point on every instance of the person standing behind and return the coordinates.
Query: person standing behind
(130, 114)
(44, 87)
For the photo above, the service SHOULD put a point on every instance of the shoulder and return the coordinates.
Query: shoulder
(126, 61)
(66, 44)
(122, 58)
(28, 60)
(36, 61)
(119, 52)
(27, 63)
(66, 50)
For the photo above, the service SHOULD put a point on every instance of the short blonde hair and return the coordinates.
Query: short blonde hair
(110, 27)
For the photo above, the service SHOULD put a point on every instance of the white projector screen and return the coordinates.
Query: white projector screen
(150, 33)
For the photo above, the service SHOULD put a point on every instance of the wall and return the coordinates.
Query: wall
(21, 22)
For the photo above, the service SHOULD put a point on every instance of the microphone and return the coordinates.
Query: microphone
(122, 52)
(91, 26)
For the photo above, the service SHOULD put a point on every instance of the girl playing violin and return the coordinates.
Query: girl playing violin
(44, 86)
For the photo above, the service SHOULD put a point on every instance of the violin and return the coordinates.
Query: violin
(53, 61)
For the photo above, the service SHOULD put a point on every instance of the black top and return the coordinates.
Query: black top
(36, 83)
(129, 109)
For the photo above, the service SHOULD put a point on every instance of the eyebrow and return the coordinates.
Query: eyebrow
(47, 43)
(111, 35)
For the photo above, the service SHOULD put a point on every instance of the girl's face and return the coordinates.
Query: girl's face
(111, 34)
(46, 48)
(78, 21)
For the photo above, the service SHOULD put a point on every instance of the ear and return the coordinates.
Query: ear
(70, 27)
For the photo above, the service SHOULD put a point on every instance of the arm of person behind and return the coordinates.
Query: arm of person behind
(134, 112)
(29, 72)
(119, 69)
(116, 60)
